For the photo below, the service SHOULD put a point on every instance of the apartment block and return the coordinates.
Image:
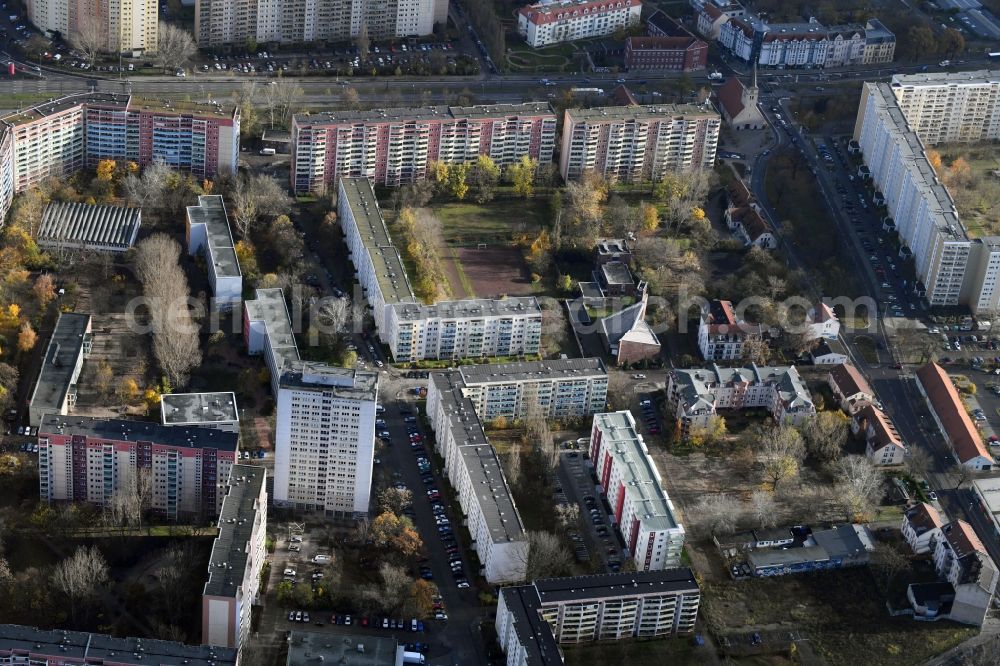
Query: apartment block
(208, 234)
(921, 527)
(238, 555)
(473, 470)
(643, 513)
(961, 559)
(325, 429)
(129, 26)
(697, 394)
(545, 23)
(642, 604)
(57, 138)
(721, 333)
(88, 459)
(638, 143)
(55, 388)
(925, 214)
(471, 328)
(949, 107)
(56, 647)
(232, 23)
(804, 45)
(395, 146)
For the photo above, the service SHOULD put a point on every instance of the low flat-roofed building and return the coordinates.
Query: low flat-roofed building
(988, 498)
(616, 279)
(306, 647)
(267, 330)
(238, 555)
(52, 647)
(80, 226)
(214, 410)
(208, 233)
(55, 389)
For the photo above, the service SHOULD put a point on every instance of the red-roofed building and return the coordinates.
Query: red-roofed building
(709, 18)
(738, 104)
(850, 388)
(956, 550)
(547, 23)
(921, 527)
(823, 322)
(679, 54)
(744, 218)
(952, 419)
(721, 334)
(884, 446)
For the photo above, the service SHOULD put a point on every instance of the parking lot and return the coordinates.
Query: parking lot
(599, 539)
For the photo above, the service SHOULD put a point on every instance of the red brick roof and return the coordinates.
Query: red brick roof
(739, 195)
(923, 517)
(849, 380)
(711, 10)
(550, 13)
(622, 96)
(944, 399)
(754, 224)
(730, 96)
(885, 432)
(962, 538)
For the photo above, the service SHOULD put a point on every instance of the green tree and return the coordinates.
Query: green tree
(457, 174)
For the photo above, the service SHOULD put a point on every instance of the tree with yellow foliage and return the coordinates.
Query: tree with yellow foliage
(128, 391)
(456, 180)
(934, 157)
(44, 290)
(26, 337)
(522, 176)
(106, 170)
(697, 214)
(650, 216)
(151, 397)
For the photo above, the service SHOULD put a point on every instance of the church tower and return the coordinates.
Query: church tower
(751, 93)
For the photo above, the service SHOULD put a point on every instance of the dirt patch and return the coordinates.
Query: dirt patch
(452, 267)
(495, 271)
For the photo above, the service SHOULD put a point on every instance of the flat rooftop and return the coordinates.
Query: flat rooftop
(424, 114)
(307, 647)
(60, 646)
(553, 369)
(609, 586)
(616, 272)
(643, 484)
(980, 77)
(533, 633)
(198, 408)
(474, 307)
(269, 307)
(989, 492)
(211, 211)
(227, 566)
(647, 113)
(480, 459)
(772, 557)
(122, 430)
(374, 234)
(85, 225)
(59, 364)
(63, 104)
(179, 107)
(344, 383)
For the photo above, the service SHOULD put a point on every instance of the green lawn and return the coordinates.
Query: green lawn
(555, 58)
(638, 653)
(468, 223)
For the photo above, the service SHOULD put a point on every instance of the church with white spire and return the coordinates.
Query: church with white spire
(739, 103)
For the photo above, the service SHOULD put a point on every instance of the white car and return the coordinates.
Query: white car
(638, 376)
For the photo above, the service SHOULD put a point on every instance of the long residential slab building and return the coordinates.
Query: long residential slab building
(396, 146)
(952, 267)
(325, 428)
(235, 23)
(62, 136)
(414, 331)
(533, 620)
(457, 404)
(949, 107)
(638, 143)
(643, 513)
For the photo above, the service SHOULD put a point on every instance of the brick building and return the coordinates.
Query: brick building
(679, 54)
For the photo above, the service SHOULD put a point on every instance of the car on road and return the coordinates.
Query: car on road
(933, 496)
(638, 376)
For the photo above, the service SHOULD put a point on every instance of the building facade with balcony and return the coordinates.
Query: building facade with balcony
(414, 331)
(397, 146)
(721, 333)
(545, 23)
(182, 470)
(695, 395)
(641, 510)
(921, 527)
(950, 107)
(634, 144)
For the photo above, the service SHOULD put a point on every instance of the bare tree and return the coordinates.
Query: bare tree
(756, 349)
(281, 98)
(394, 500)
(394, 590)
(514, 464)
(567, 514)
(80, 576)
(146, 190)
(332, 316)
(825, 436)
(176, 344)
(917, 463)
(763, 506)
(363, 42)
(546, 556)
(175, 46)
(862, 486)
(779, 453)
(720, 513)
(255, 197)
(538, 436)
(89, 37)
(887, 563)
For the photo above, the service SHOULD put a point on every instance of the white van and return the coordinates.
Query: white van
(321, 559)
(267, 151)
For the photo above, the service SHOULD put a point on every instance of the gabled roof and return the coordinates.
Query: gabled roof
(849, 380)
(883, 431)
(754, 225)
(946, 403)
(962, 538)
(923, 517)
(730, 96)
